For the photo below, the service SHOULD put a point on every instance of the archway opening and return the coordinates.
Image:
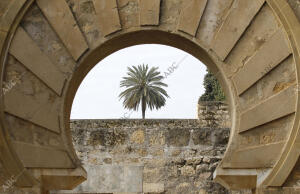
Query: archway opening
(98, 94)
(245, 161)
(119, 42)
(190, 143)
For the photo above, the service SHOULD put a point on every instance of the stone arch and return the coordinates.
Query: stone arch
(47, 47)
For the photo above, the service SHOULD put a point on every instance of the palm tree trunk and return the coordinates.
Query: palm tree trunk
(143, 107)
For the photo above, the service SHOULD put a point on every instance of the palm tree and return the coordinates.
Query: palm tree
(143, 86)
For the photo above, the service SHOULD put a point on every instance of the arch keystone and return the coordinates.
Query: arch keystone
(108, 15)
(149, 12)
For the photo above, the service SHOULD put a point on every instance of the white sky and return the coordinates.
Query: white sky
(97, 96)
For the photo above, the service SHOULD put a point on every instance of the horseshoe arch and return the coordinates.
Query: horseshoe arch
(47, 48)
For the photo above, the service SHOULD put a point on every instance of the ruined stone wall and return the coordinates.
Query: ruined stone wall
(214, 114)
(153, 156)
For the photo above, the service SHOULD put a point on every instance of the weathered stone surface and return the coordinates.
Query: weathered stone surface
(170, 15)
(214, 114)
(138, 137)
(157, 138)
(112, 179)
(240, 16)
(149, 12)
(3, 5)
(187, 171)
(154, 174)
(34, 134)
(213, 17)
(84, 12)
(129, 12)
(272, 132)
(150, 144)
(178, 137)
(269, 85)
(262, 61)
(262, 27)
(47, 116)
(190, 15)
(202, 168)
(295, 6)
(34, 156)
(61, 19)
(2, 38)
(201, 136)
(108, 16)
(255, 157)
(153, 188)
(285, 101)
(44, 36)
(110, 138)
(15, 190)
(23, 48)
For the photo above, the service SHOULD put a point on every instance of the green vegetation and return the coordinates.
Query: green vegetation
(143, 86)
(213, 90)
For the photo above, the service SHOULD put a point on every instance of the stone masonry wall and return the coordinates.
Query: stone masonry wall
(213, 115)
(152, 156)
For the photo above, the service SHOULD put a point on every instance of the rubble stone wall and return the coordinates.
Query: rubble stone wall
(153, 156)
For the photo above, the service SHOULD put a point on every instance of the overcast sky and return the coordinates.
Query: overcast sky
(97, 97)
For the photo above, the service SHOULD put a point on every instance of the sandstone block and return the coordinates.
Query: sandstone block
(187, 171)
(178, 137)
(138, 137)
(153, 187)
